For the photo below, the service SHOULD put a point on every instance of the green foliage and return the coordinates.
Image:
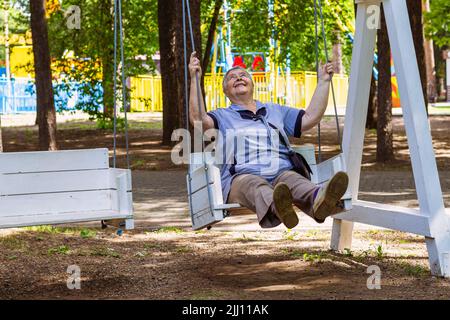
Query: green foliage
(107, 123)
(91, 65)
(96, 36)
(292, 26)
(87, 233)
(17, 20)
(437, 22)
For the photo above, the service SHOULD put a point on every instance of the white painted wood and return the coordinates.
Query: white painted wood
(40, 161)
(81, 188)
(60, 181)
(227, 206)
(355, 117)
(202, 207)
(123, 182)
(199, 177)
(58, 218)
(45, 203)
(307, 150)
(341, 235)
(431, 220)
(423, 160)
(387, 216)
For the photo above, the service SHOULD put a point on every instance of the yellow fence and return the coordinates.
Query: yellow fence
(295, 90)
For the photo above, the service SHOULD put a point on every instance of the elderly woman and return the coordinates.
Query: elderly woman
(267, 189)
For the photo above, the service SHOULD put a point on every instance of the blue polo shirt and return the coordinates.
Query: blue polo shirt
(252, 143)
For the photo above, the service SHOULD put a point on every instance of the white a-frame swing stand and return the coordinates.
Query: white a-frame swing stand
(431, 219)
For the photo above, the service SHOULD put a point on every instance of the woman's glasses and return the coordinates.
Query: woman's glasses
(235, 76)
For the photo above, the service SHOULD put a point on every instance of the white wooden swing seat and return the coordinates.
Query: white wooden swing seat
(54, 187)
(205, 213)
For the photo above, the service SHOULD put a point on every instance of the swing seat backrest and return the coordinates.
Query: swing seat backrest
(51, 187)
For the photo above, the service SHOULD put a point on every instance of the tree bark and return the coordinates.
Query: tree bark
(429, 62)
(415, 19)
(107, 55)
(46, 115)
(172, 64)
(371, 121)
(385, 148)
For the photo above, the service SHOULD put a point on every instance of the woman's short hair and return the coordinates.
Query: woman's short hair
(224, 80)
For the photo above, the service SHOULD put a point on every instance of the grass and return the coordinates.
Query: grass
(290, 235)
(183, 249)
(59, 250)
(92, 125)
(154, 246)
(84, 233)
(12, 243)
(104, 252)
(244, 238)
(137, 163)
(206, 295)
(87, 233)
(305, 256)
(414, 270)
(50, 229)
(169, 230)
(29, 135)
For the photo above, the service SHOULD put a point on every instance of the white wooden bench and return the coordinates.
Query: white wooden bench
(55, 187)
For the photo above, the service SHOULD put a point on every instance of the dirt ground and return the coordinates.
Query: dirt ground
(178, 263)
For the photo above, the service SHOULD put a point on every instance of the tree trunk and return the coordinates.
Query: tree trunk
(46, 114)
(371, 121)
(429, 62)
(385, 148)
(172, 65)
(415, 18)
(107, 55)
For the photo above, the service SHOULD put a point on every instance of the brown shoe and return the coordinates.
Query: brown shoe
(328, 197)
(282, 199)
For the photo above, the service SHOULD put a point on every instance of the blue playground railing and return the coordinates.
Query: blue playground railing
(19, 96)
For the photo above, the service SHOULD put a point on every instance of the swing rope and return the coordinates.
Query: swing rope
(317, 3)
(118, 25)
(186, 7)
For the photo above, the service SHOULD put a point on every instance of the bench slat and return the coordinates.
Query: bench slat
(46, 203)
(41, 161)
(58, 218)
(61, 181)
